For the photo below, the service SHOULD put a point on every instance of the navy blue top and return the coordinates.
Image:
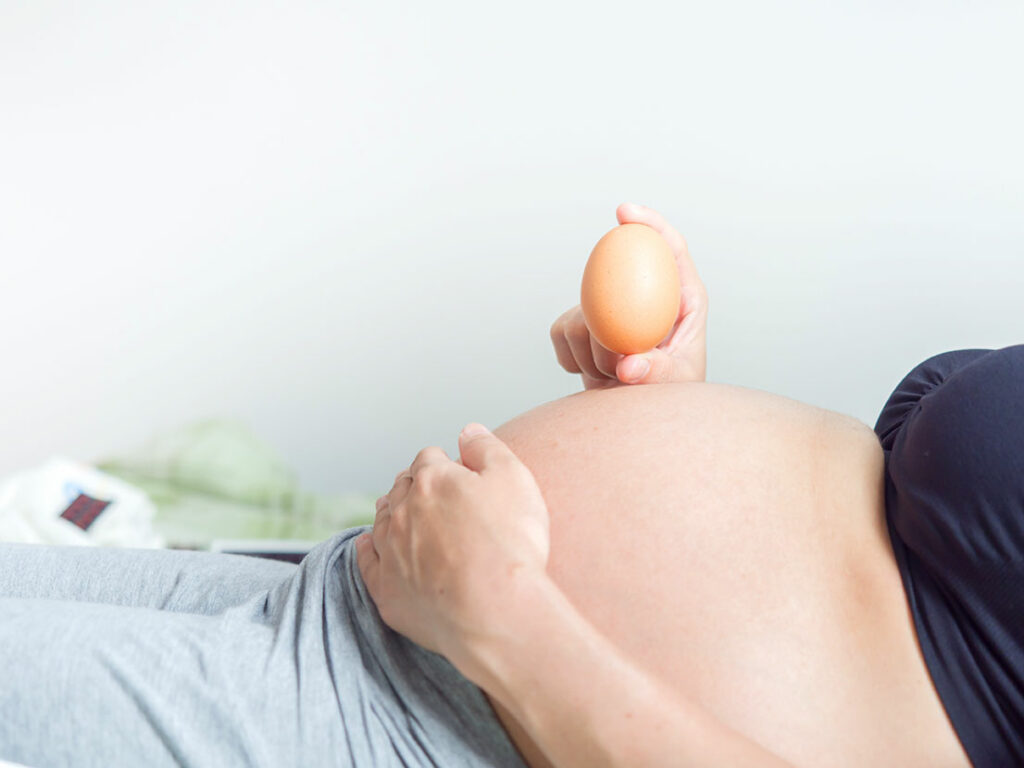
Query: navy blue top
(953, 436)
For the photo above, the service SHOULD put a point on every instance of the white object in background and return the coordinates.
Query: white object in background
(67, 502)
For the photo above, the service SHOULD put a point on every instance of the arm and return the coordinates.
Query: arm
(583, 702)
(457, 563)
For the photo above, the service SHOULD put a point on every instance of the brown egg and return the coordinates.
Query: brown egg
(630, 290)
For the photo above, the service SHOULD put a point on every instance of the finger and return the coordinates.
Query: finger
(481, 449)
(578, 336)
(368, 562)
(426, 457)
(403, 480)
(693, 315)
(561, 343)
(632, 369)
(383, 505)
(685, 344)
(632, 213)
(661, 367)
(604, 359)
(381, 527)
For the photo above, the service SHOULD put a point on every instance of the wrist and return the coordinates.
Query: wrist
(512, 627)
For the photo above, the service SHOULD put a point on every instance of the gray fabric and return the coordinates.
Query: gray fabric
(138, 657)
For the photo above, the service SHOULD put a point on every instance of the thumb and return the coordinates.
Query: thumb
(653, 367)
(480, 448)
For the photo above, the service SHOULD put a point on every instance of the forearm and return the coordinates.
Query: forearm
(584, 703)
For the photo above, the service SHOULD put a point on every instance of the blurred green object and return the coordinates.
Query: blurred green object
(217, 480)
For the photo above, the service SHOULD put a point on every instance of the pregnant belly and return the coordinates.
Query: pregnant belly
(733, 543)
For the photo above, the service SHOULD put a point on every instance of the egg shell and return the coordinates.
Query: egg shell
(630, 289)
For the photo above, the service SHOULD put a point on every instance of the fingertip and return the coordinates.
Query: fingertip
(633, 368)
(471, 444)
(627, 212)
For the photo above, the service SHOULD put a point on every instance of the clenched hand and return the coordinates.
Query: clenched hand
(452, 540)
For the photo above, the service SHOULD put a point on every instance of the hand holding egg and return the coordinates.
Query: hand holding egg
(643, 309)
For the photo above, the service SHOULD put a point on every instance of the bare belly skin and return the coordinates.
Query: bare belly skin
(733, 543)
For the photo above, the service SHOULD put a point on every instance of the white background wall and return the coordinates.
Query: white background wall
(351, 224)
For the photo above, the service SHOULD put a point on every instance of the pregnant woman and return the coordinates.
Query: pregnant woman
(693, 574)
(656, 571)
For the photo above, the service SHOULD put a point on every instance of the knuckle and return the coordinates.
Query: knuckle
(563, 352)
(604, 359)
(577, 330)
(556, 331)
(558, 327)
(398, 521)
(446, 479)
(426, 478)
(578, 340)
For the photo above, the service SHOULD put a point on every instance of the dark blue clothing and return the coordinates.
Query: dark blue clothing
(953, 436)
